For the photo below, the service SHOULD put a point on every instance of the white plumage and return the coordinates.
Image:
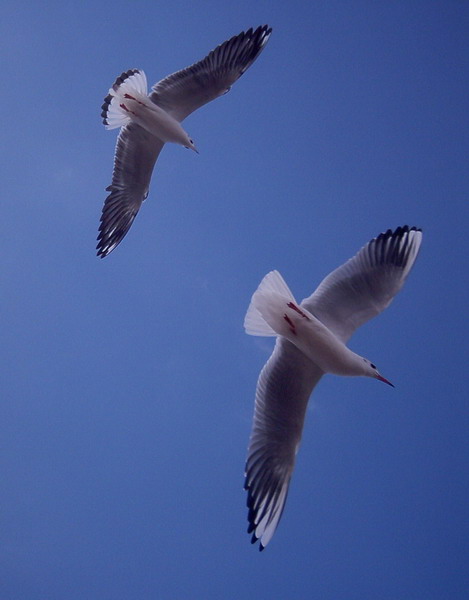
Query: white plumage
(311, 339)
(149, 121)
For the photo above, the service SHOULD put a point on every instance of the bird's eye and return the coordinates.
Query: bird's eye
(191, 141)
(372, 366)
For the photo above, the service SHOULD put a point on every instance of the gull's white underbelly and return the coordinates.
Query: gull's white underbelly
(156, 120)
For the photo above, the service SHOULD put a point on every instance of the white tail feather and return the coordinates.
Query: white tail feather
(116, 116)
(274, 282)
(137, 82)
(270, 292)
(132, 82)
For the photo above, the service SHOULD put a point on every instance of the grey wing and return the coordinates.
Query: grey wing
(134, 159)
(366, 284)
(283, 390)
(187, 90)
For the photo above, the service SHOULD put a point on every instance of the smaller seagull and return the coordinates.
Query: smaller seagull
(311, 338)
(148, 121)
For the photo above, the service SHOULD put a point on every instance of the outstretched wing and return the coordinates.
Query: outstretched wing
(283, 390)
(187, 90)
(366, 284)
(134, 159)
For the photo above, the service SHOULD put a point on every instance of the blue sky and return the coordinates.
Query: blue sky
(128, 383)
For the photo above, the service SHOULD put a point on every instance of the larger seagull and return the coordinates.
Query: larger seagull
(149, 121)
(311, 338)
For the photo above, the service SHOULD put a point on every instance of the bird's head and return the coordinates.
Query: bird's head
(370, 370)
(190, 145)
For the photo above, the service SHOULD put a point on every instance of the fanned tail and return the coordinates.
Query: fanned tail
(132, 83)
(270, 292)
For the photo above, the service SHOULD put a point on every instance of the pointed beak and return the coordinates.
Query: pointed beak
(195, 150)
(381, 378)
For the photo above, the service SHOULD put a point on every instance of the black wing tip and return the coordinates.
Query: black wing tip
(114, 226)
(397, 247)
(258, 37)
(259, 30)
(252, 513)
(245, 46)
(106, 244)
(398, 232)
(264, 29)
(255, 539)
(104, 248)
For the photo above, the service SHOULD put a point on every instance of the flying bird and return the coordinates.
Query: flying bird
(148, 121)
(311, 338)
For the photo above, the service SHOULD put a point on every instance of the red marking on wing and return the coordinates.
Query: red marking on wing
(298, 310)
(290, 323)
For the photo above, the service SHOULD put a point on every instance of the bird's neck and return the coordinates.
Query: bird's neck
(318, 342)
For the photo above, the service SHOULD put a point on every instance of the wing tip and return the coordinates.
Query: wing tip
(399, 247)
(109, 240)
(115, 222)
(399, 231)
(265, 508)
(243, 48)
(266, 32)
(104, 248)
(255, 539)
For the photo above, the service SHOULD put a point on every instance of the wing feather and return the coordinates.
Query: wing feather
(187, 90)
(134, 159)
(283, 390)
(365, 285)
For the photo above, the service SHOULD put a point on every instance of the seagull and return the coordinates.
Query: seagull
(311, 338)
(148, 121)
